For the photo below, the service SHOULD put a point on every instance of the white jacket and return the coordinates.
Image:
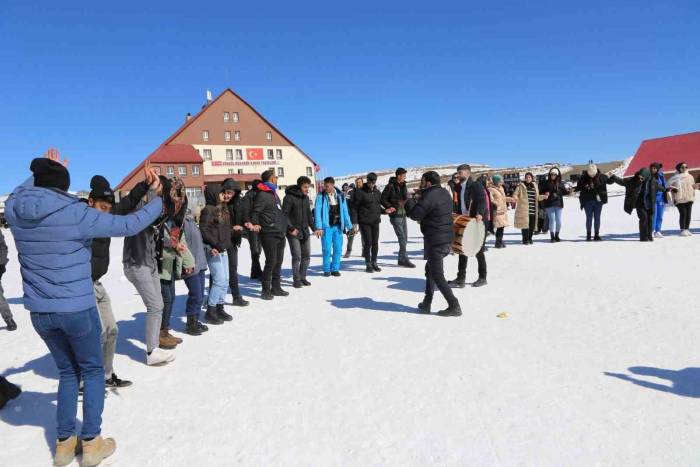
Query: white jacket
(685, 185)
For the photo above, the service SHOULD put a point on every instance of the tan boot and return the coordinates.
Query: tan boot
(165, 341)
(177, 340)
(96, 450)
(65, 451)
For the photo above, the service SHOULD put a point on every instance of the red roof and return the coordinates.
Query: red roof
(172, 154)
(669, 151)
(236, 178)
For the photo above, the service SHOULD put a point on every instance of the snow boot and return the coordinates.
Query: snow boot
(11, 325)
(452, 310)
(597, 237)
(588, 235)
(115, 382)
(158, 357)
(304, 282)
(177, 340)
(192, 327)
(369, 267)
(278, 291)
(221, 313)
(165, 342)
(556, 237)
(424, 307)
(212, 316)
(335, 273)
(97, 449)
(458, 283)
(66, 451)
(405, 263)
(239, 301)
(551, 237)
(297, 284)
(266, 291)
(8, 391)
(376, 267)
(480, 282)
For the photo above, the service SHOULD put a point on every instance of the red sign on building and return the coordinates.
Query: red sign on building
(254, 154)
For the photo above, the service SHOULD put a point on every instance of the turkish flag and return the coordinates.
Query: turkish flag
(254, 154)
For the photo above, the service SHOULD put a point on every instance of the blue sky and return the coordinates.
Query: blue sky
(356, 85)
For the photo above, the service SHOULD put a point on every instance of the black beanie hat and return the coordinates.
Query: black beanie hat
(50, 174)
(371, 177)
(229, 184)
(100, 189)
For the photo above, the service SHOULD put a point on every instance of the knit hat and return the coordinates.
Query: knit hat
(592, 170)
(645, 173)
(496, 178)
(100, 189)
(371, 177)
(50, 174)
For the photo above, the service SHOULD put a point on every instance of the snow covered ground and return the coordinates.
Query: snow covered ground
(596, 364)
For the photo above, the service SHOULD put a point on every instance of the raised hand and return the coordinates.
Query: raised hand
(52, 154)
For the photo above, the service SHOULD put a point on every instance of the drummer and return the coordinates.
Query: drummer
(473, 203)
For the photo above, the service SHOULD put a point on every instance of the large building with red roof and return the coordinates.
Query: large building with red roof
(226, 138)
(669, 151)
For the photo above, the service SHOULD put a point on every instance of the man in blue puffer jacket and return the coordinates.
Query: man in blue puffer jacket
(331, 216)
(53, 232)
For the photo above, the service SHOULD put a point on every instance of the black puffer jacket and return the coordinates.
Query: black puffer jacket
(394, 196)
(556, 191)
(215, 221)
(297, 208)
(638, 193)
(267, 212)
(474, 199)
(367, 206)
(593, 188)
(434, 212)
(100, 246)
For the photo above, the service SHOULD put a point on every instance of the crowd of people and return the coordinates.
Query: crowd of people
(63, 244)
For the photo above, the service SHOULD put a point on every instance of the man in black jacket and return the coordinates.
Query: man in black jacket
(235, 212)
(366, 211)
(473, 204)
(253, 237)
(349, 197)
(269, 219)
(297, 207)
(432, 207)
(394, 199)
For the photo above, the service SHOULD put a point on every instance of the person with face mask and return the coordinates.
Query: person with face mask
(366, 212)
(640, 197)
(553, 191)
(394, 199)
(593, 195)
(683, 193)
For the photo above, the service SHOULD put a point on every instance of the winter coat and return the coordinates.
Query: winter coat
(53, 232)
(172, 261)
(661, 187)
(522, 208)
(195, 244)
(100, 246)
(593, 189)
(297, 208)
(473, 198)
(394, 196)
(3, 250)
(556, 191)
(500, 207)
(142, 249)
(235, 208)
(455, 193)
(322, 208)
(685, 186)
(637, 193)
(215, 221)
(267, 212)
(367, 206)
(246, 206)
(433, 210)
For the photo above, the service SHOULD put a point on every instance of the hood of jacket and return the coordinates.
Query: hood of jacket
(295, 191)
(211, 194)
(30, 203)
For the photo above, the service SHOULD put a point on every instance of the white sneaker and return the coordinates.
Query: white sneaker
(159, 357)
(689, 233)
(658, 235)
(685, 233)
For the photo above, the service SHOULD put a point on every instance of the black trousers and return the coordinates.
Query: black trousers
(646, 217)
(273, 246)
(255, 248)
(233, 271)
(351, 238)
(480, 261)
(685, 210)
(435, 273)
(527, 233)
(370, 241)
(499, 235)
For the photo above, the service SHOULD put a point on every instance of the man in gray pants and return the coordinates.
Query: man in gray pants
(5, 311)
(394, 199)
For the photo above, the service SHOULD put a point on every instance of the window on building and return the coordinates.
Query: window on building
(239, 154)
(235, 117)
(268, 135)
(270, 154)
(227, 136)
(279, 153)
(280, 171)
(226, 116)
(237, 135)
(309, 172)
(207, 154)
(182, 170)
(171, 171)
(195, 171)
(240, 171)
(229, 154)
(231, 171)
(205, 135)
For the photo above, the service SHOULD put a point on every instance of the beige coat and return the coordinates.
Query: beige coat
(686, 188)
(522, 220)
(499, 202)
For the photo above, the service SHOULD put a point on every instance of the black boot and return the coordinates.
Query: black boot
(405, 263)
(239, 301)
(11, 325)
(116, 382)
(267, 291)
(192, 328)
(480, 282)
(424, 307)
(552, 239)
(369, 267)
(458, 283)
(588, 235)
(452, 310)
(297, 284)
(221, 313)
(335, 273)
(376, 267)
(304, 282)
(556, 237)
(8, 391)
(597, 237)
(278, 291)
(211, 316)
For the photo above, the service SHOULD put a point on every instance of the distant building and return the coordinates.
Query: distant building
(669, 151)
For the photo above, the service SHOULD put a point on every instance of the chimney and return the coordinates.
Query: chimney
(188, 117)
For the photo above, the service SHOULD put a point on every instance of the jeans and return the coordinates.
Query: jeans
(110, 330)
(401, 229)
(218, 268)
(685, 210)
(593, 209)
(74, 342)
(370, 242)
(332, 248)
(273, 246)
(233, 271)
(195, 293)
(554, 216)
(658, 215)
(301, 255)
(435, 273)
(167, 290)
(147, 284)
